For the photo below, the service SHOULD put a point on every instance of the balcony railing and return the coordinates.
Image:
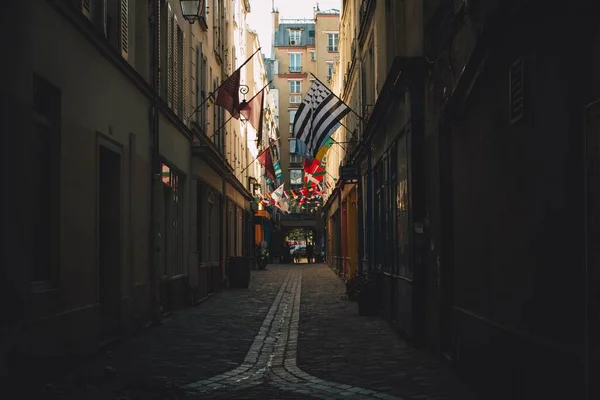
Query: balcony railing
(295, 69)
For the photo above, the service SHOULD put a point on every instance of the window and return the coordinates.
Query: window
(218, 118)
(173, 222)
(296, 176)
(292, 116)
(218, 28)
(295, 37)
(173, 55)
(312, 56)
(201, 89)
(296, 159)
(294, 87)
(332, 41)
(330, 67)
(295, 62)
(295, 99)
(45, 180)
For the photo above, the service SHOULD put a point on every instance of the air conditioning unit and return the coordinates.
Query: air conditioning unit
(293, 42)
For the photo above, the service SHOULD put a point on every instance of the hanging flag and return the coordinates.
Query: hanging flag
(277, 194)
(318, 116)
(323, 150)
(264, 158)
(278, 171)
(298, 147)
(313, 173)
(253, 112)
(228, 95)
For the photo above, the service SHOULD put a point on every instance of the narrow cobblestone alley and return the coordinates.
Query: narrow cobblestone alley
(291, 335)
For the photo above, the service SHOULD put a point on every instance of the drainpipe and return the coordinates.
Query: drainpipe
(369, 218)
(155, 182)
(223, 232)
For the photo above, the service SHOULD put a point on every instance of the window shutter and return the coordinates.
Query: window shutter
(184, 80)
(158, 23)
(193, 74)
(86, 8)
(170, 57)
(176, 77)
(124, 28)
(516, 91)
(199, 82)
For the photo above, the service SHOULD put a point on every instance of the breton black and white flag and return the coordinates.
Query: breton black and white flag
(318, 116)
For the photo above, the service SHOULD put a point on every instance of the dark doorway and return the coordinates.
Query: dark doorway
(109, 240)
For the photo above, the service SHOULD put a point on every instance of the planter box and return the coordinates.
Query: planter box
(238, 272)
(368, 297)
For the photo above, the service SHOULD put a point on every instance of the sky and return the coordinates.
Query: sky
(260, 18)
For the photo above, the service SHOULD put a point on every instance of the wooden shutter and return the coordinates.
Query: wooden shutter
(193, 71)
(170, 57)
(184, 80)
(124, 17)
(516, 91)
(158, 22)
(86, 8)
(176, 78)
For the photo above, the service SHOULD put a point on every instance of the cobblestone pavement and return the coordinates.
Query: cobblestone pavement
(244, 344)
(338, 344)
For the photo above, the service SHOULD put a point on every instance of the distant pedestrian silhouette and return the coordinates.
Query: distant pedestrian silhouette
(310, 252)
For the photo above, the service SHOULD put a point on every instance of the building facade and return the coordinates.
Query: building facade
(302, 50)
(475, 185)
(146, 196)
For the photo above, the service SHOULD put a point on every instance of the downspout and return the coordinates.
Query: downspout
(155, 173)
(223, 232)
(369, 217)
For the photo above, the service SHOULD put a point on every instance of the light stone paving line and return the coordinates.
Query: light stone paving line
(241, 376)
(273, 354)
(301, 382)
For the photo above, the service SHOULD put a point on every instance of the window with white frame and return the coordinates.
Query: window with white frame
(295, 37)
(296, 176)
(296, 159)
(330, 67)
(332, 41)
(295, 62)
(312, 56)
(295, 86)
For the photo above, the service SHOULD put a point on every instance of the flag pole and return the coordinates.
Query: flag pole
(321, 82)
(212, 94)
(221, 127)
(265, 149)
(257, 93)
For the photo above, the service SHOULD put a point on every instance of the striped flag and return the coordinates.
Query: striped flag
(318, 116)
(228, 96)
(278, 171)
(323, 149)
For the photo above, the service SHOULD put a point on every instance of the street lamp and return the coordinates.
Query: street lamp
(190, 10)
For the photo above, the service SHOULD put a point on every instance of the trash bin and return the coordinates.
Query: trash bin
(238, 272)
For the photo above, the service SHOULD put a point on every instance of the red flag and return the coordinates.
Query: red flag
(253, 111)
(228, 95)
(264, 158)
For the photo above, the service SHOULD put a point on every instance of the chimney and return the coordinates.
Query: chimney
(275, 19)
